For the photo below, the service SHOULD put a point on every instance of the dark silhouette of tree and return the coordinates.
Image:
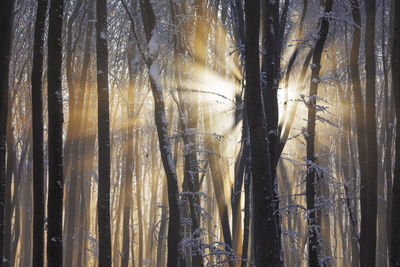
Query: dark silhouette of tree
(369, 185)
(103, 130)
(270, 75)
(55, 122)
(6, 15)
(37, 132)
(264, 222)
(313, 174)
(174, 223)
(395, 236)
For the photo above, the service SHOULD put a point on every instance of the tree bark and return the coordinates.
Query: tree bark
(55, 114)
(369, 187)
(174, 225)
(314, 234)
(103, 198)
(395, 236)
(6, 16)
(37, 126)
(264, 219)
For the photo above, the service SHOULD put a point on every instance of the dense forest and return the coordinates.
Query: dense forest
(200, 133)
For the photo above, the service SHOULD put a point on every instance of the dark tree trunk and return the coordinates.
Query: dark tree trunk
(11, 169)
(395, 236)
(174, 225)
(369, 187)
(55, 114)
(6, 15)
(358, 101)
(390, 111)
(314, 234)
(270, 76)
(264, 221)
(174, 235)
(37, 132)
(103, 198)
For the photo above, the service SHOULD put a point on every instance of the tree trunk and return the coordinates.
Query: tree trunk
(55, 114)
(130, 161)
(37, 132)
(6, 16)
(369, 187)
(270, 75)
(72, 145)
(395, 236)
(103, 198)
(264, 221)
(174, 226)
(314, 234)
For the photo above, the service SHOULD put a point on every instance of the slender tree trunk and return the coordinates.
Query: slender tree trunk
(81, 125)
(314, 234)
(390, 110)
(163, 229)
(395, 236)
(6, 16)
(382, 201)
(130, 161)
(139, 200)
(37, 126)
(55, 114)
(369, 188)
(174, 235)
(103, 198)
(270, 75)
(72, 143)
(358, 104)
(10, 170)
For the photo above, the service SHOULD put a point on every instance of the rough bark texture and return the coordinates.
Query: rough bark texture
(314, 233)
(37, 127)
(270, 76)
(55, 114)
(103, 198)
